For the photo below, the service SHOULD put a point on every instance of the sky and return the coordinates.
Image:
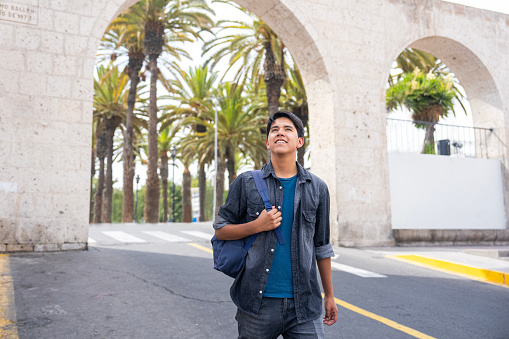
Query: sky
(226, 12)
(501, 6)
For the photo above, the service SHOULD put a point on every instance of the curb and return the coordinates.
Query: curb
(499, 278)
(8, 324)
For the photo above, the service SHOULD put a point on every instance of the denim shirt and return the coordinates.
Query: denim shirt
(310, 239)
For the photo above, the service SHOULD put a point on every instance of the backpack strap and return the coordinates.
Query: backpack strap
(264, 192)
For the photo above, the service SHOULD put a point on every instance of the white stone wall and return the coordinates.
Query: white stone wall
(442, 192)
(45, 127)
(343, 48)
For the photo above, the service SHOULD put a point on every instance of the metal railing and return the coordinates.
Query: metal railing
(456, 141)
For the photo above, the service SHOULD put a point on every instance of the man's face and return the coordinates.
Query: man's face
(283, 137)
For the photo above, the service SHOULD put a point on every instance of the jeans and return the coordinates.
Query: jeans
(277, 316)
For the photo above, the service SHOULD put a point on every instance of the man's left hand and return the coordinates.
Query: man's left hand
(331, 311)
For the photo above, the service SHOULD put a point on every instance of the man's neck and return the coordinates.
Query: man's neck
(284, 167)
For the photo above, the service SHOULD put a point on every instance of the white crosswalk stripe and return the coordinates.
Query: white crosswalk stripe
(198, 234)
(128, 238)
(123, 237)
(167, 236)
(357, 271)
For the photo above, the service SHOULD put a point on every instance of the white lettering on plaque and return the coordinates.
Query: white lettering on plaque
(22, 13)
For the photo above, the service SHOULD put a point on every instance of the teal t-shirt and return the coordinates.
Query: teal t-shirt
(280, 281)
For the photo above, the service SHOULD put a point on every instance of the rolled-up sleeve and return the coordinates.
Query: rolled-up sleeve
(323, 247)
(234, 209)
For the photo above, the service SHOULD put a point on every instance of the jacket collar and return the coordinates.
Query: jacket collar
(302, 173)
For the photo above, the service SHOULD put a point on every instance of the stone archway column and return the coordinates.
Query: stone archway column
(348, 147)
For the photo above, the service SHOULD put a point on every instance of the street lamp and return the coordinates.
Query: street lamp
(215, 160)
(173, 152)
(136, 204)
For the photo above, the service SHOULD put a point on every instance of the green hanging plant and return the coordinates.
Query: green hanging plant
(428, 96)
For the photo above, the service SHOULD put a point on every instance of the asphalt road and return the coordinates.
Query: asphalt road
(166, 288)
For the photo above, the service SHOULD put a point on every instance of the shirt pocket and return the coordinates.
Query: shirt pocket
(253, 211)
(308, 223)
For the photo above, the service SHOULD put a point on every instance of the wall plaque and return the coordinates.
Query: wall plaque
(22, 13)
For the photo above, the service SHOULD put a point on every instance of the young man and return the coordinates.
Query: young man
(277, 292)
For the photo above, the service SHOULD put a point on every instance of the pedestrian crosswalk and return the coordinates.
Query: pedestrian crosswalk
(190, 237)
(146, 237)
(198, 234)
(123, 237)
(166, 236)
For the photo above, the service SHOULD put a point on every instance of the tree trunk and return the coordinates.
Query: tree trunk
(163, 171)
(133, 69)
(429, 139)
(92, 174)
(151, 211)
(219, 184)
(274, 77)
(202, 184)
(230, 165)
(108, 180)
(187, 208)
(98, 200)
(302, 113)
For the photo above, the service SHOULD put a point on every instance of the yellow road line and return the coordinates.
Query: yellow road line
(203, 248)
(8, 327)
(383, 320)
(356, 309)
(476, 273)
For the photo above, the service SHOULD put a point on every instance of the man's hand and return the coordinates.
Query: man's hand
(331, 311)
(266, 221)
(270, 220)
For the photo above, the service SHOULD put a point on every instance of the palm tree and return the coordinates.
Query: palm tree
(194, 92)
(101, 154)
(164, 142)
(203, 153)
(238, 131)
(187, 208)
(110, 105)
(412, 58)
(164, 22)
(428, 96)
(238, 125)
(123, 38)
(92, 172)
(257, 44)
(295, 101)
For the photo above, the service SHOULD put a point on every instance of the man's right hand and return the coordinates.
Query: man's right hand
(266, 221)
(270, 220)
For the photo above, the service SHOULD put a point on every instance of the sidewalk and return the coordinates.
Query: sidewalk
(475, 262)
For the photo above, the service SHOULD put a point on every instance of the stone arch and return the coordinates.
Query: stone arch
(278, 16)
(482, 92)
(286, 24)
(299, 40)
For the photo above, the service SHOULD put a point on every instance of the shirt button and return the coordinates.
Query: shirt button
(280, 187)
(272, 250)
(266, 270)
(261, 292)
(257, 213)
(279, 207)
